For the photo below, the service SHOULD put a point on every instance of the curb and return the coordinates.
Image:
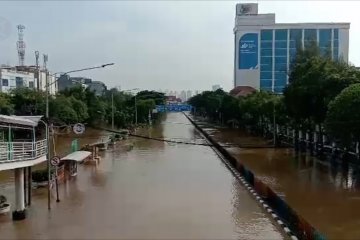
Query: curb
(250, 190)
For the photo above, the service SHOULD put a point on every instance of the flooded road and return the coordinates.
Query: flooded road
(157, 190)
(326, 194)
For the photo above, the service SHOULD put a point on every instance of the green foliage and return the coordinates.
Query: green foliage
(144, 107)
(79, 104)
(6, 107)
(315, 94)
(314, 82)
(80, 108)
(61, 109)
(342, 120)
(159, 98)
(27, 101)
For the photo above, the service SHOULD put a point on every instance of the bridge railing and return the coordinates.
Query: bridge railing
(22, 151)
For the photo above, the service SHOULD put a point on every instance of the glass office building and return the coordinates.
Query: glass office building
(264, 49)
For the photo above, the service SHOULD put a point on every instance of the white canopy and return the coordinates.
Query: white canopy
(77, 156)
(30, 121)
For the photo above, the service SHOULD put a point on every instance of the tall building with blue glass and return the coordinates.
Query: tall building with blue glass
(264, 49)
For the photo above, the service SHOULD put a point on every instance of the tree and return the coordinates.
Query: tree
(80, 108)
(28, 101)
(314, 81)
(61, 109)
(158, 97)
(6, 107)
(342, 120)
(143, 109)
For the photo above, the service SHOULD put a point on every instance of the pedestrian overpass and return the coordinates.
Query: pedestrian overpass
(173, 108)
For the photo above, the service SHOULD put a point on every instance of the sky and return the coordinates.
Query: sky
(174, 45)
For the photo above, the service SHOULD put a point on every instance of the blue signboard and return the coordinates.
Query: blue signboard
(248, 51)
(173, 108)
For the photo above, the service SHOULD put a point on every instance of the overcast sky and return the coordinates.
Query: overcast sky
(155, 45)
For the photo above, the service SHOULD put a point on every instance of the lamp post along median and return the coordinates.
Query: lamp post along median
(112, 110)
(47, 116)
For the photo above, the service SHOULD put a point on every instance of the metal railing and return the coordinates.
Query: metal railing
(22, 151)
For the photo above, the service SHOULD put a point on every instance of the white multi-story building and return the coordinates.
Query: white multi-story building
(265, 49)
(14, 77)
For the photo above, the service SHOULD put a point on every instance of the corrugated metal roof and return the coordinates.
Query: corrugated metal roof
(77, 156)
(30, 121)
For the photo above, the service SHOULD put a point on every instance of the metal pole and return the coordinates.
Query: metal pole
(149, 116)
(136, 113)
(57, 186)
(48, 138)
(274, 127)
(56, 168)
(112, 110)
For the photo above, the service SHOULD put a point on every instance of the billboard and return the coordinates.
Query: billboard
(173, 108)
(249, 51)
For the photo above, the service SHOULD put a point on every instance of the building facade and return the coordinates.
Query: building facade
(97, 87)
(265, 49)
(65, 81)
(22, 76)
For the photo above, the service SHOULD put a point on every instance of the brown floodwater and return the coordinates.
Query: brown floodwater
(153, 190)
(327, 194)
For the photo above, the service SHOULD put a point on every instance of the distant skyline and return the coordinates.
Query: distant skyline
(155, 45)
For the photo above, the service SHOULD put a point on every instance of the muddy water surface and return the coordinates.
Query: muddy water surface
(157, 190)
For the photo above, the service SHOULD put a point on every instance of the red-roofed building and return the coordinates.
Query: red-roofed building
(242, 91)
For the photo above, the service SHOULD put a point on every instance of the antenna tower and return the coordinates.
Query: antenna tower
(45, 58)
(21, 44)
(37, 54)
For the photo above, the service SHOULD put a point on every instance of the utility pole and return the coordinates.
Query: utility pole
(149, 116)
(112, 110)
(47, 129)
(274, 122)
(136, 113)
(47, 112)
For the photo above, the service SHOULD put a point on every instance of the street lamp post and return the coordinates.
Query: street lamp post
(136, 112)
(47, 115)
(112, 111)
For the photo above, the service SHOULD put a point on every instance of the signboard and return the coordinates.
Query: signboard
(173, 108)
(246, 9)
(249, 51)
(55, 161)
(79, 128)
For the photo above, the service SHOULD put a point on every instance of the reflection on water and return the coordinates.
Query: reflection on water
(155, 191)
(325, 193)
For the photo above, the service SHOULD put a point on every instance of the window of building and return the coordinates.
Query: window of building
(266, 60)
(325, 42)
(267, 75)
(295, 38)
(295, 43)
(266, 52)
(281, 34)
(336, 44)
(31, 84)
(5, 82)
(266, 35)
(310, 37)
(19, 82)
(281, 50)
